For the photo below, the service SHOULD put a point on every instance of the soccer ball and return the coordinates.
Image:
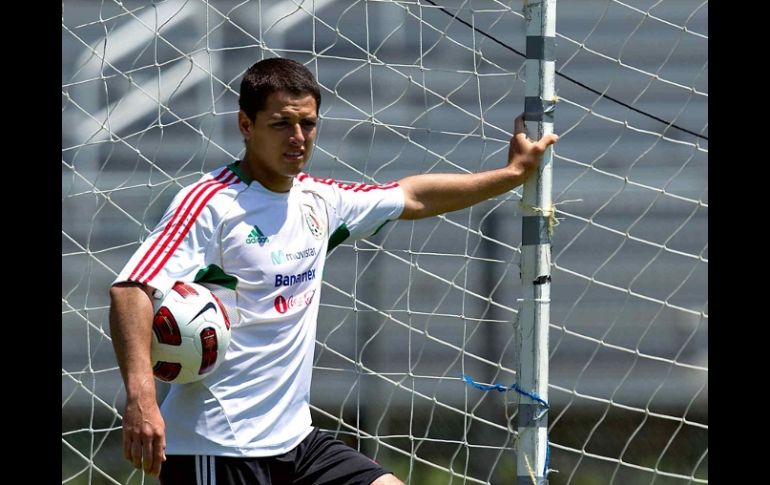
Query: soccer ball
(190, 334)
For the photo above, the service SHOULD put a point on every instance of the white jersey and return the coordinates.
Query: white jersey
(263, 254)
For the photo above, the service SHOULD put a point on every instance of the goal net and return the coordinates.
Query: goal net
(416, 353)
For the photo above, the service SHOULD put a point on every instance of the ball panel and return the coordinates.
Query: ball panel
(184, 289)
(210, 349)
(222, 307)
(165, 328)
(166, 371)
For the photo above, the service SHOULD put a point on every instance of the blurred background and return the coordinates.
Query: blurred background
(149, 103)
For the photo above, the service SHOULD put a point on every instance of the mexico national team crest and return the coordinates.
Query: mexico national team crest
(314, 223)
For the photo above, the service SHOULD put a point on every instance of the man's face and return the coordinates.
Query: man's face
(280, 140)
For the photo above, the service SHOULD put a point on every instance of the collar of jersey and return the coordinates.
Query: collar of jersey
(235, 168)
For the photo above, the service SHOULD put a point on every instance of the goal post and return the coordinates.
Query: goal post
(536, 231)
(429, 330)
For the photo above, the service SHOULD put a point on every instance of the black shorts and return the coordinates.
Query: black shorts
(318, 459)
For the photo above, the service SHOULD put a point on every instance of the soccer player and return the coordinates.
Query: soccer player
(258, 230)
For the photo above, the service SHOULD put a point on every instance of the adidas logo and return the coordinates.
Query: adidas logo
(256, 237)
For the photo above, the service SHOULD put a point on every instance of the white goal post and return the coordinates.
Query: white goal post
(419, 349)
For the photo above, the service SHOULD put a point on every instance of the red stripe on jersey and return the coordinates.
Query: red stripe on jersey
(212, 190)
(174, 232)
(359, 187)
(367, 188)
(171, 224)
(181, 211)
(204, 193)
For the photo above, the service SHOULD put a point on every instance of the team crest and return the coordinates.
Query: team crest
(313, 222)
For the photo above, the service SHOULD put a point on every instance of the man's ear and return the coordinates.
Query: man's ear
(245, 125)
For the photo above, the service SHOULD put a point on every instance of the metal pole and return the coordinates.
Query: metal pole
(539, 103)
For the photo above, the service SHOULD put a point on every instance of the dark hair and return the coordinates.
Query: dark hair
(276, 74)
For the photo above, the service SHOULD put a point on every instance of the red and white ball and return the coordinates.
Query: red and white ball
(190, 334)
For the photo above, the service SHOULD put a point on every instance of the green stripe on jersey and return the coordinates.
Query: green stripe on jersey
(215, 275)
(338, 236)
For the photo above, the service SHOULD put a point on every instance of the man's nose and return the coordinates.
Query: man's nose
(297, 137)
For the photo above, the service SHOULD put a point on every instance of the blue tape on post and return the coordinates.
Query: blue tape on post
(514, 387)
(500, 388)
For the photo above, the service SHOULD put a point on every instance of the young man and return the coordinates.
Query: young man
(249, 421)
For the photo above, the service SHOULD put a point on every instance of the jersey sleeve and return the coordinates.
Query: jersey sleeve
(175, 250)
(360, 210)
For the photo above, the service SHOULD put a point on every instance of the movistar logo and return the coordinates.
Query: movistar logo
(279, 257)
(256, 237)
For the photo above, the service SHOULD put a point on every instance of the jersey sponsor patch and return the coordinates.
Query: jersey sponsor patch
(291, 280)
(282, 304)
(256, 237)
(279, 257)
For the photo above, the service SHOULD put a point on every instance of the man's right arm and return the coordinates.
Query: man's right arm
(144, 436)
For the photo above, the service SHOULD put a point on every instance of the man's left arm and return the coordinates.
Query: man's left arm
(432, 194)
